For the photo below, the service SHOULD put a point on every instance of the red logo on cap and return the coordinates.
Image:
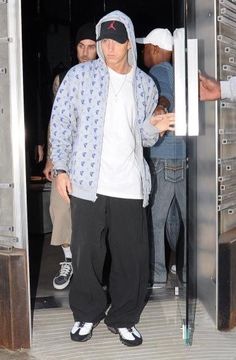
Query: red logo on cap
(111, 26)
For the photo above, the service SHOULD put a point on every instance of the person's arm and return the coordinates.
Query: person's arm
(40, 141)
(63, 185)
(155, 126)
(55, 85)
(48, 169)
(39, 153)
(162, 106)
(154, 123)
(62, 128)
(163, 122)
(228, 89)
(211, 89)
(162, 75)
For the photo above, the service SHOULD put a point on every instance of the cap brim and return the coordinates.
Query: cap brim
(119, 39)
(140, 40)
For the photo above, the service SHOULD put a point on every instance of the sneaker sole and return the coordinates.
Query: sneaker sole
(88, 337)
(130, 344)
(63, 286)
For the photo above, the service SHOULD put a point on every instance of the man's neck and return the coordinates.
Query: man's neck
(120, 68)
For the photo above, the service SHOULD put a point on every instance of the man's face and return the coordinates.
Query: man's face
(86, 50)
(147, 55)
(114, 52)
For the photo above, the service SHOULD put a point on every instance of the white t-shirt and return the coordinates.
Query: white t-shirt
(119, 174)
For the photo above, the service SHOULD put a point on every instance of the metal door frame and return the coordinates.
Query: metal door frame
(13, 207)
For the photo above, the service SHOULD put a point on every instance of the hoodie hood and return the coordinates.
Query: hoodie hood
(119, 16)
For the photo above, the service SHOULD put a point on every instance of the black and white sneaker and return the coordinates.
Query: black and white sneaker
(62, 279)
(128, 336)
(82, 331)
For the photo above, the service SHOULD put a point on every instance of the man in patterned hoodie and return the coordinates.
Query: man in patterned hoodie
(101, 119)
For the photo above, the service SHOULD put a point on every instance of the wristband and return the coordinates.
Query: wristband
(56, 172)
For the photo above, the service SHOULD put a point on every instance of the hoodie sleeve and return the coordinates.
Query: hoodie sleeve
(150, 133)
(228, 89)
(63, 123)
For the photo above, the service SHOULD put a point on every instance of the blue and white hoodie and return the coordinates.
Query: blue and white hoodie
(78, 114)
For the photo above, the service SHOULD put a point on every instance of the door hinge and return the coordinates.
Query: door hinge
(7, 228)
(6, 185)
(5, 40)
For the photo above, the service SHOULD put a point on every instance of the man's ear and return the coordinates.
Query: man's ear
(156, 49)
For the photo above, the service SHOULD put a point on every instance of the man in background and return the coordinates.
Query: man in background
(166, 158)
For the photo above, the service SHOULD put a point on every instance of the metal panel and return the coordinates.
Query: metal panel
(227, 129)
(13, 220)
(3, 20)
(6, 195)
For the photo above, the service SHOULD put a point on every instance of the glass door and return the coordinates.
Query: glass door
(187, 129)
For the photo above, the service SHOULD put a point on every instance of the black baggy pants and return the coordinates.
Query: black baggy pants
(123, 223)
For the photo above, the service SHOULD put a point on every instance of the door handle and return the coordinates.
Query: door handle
(193, 92)
(180, 82)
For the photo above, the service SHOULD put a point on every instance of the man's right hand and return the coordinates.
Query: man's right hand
(48, 170)
(163, 122)
(63, 186)
(209, 88)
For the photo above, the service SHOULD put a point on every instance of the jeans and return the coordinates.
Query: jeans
(168, 208)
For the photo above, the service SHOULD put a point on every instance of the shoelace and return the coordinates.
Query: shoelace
(65, 268)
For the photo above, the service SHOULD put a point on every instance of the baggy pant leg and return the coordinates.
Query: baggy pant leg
(129, 274)
(88, 300)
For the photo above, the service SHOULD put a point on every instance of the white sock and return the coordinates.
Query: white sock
(67, 252)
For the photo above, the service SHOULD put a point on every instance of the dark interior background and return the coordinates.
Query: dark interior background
(49, 28)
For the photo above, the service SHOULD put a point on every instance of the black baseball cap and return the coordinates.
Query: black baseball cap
(86, 31)
(114, 30)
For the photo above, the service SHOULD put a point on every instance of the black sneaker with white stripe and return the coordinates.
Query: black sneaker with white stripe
(62, 279)
(128, 336)
(82, 331)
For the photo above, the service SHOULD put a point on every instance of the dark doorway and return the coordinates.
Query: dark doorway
(48, 29)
